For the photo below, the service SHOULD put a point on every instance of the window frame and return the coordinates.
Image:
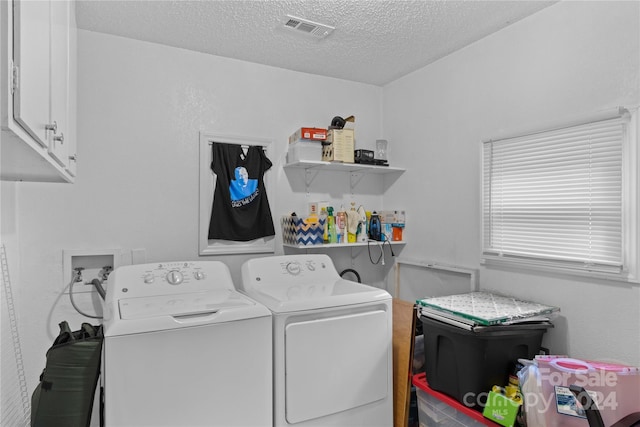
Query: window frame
(630, 206)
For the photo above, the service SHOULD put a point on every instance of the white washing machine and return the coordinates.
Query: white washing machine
(183, 348)
(332, 342)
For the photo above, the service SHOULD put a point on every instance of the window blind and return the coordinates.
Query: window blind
(556, 196)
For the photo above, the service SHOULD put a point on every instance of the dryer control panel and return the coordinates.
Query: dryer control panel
(291, 269)
(288, 270)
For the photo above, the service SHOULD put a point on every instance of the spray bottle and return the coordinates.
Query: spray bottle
(331, 226)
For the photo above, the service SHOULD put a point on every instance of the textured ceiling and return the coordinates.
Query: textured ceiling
(374, 41)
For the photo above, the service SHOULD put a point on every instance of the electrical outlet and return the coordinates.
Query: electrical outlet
(91, 263)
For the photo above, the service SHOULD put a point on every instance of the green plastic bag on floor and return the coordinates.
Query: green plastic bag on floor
(65, 395)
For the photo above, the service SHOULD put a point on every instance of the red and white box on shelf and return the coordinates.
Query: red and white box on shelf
(308, 134)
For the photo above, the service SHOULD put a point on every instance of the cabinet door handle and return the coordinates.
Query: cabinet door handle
(59, 138)
(73, 158)
(52, 127)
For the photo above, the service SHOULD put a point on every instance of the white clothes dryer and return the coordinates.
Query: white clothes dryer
(183, 348)
(332, 342)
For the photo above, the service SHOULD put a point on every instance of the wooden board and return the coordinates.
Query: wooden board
(404, 326)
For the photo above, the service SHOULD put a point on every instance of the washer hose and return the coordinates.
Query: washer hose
(98, 285)
(73, 302)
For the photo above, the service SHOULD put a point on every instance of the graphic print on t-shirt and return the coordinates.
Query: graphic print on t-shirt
(242, 188)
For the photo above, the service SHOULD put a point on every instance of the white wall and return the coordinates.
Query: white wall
(569, 59)
(140, 109)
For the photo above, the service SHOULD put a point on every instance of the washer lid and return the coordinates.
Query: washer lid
(174, 311)
(180, 304)
(286, 297)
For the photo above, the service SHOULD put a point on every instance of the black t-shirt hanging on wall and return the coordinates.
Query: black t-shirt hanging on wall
(240, 207)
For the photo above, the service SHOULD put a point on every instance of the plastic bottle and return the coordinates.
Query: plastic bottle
(368, 215)
(325, 218)
(361, 235)
(331, 226)
(341, 225)
(352, 223)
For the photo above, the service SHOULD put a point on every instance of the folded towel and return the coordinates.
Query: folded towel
(353, 218)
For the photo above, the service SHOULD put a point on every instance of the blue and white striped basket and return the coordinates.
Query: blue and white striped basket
(297, 231)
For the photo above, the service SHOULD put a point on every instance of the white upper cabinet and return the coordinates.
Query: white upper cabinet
(31, 67)
(38, 90)
(70, 137)
(59, 117)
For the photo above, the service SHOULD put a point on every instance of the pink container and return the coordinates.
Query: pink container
(614, 387)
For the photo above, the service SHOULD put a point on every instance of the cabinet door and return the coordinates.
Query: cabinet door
(31, 57)
(71, 140)
(58, 142)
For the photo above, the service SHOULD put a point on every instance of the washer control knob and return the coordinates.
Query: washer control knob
(148, 278)
(199, 275)
(293, 268)
(174, 277)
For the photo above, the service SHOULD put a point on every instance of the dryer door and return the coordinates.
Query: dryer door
(336, 364)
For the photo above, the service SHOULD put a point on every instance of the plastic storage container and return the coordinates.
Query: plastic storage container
(437, 409)
(304, 151)
(465, 364)
(615, 386)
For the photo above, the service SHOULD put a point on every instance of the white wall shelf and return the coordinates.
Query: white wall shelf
(343, 167)
(357, 171)
(342, 245)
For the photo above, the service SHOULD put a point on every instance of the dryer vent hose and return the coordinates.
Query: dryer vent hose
(351, 270)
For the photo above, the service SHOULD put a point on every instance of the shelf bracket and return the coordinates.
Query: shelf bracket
(358, 250)
(309, 176)
(354, 180)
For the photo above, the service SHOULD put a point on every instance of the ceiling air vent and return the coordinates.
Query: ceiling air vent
(308, 27)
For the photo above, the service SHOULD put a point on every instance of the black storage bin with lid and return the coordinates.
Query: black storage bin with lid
(466, 364)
